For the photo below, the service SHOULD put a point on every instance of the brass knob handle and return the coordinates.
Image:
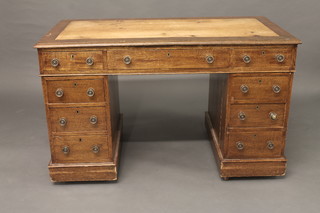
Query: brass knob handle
(242, 116)
(276, 88)
(62, 121)
(89, 61)
(93, 119)
(95, 149)
(240, 145)
(280, 58)
(246, 59)
(244, 88)
(270, 145)
(90, 92)
(65, 150)
(59, 92)
(55, 62)
(127, 60)
(210, 59)
(273, 115)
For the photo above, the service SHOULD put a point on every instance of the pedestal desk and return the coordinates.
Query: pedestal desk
(251, 62)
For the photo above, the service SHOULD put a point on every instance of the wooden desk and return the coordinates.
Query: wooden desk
(251, 62)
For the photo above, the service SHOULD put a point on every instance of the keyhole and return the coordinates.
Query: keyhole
(257, 107)
(77, 111)
(75, 84)
(72, 56)
(168, 54)
(263, 52)
(80, 139)
(260, 81)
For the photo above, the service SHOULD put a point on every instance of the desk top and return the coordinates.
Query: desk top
(177, 31)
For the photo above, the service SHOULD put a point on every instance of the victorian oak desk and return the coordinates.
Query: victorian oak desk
(251, 62)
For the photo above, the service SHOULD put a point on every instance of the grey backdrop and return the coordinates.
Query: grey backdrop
(167, 163)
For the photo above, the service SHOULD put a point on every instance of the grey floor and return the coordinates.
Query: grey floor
(166, 164)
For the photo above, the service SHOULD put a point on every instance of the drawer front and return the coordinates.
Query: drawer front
(261, 58)
(257, 115)
(78, 119)
(75, 90)
(71, 62)
(80, 149)
(255, 144)
(260, 89)
(133, 59)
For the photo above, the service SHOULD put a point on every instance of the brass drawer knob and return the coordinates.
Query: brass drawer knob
(242, 116)
(273, 115)
(270, 145)
(55, 62)
(59, 92)
(240, 145)
(244, 88)
(65, 150)
(95, 149)
(246, 59)
(276, 88)
(90, 92)
(280, 58)
(62, 121)
(93, 119)
(210, 59)
(89, 61)
(127, 60)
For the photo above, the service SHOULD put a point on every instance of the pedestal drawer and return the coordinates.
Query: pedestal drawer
(74, 90)
(255, 144)
(80, 149)
(72, 119)
(257, 115)
(133, 59)
(260, 89)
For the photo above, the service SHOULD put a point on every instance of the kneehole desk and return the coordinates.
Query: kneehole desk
(251, 62)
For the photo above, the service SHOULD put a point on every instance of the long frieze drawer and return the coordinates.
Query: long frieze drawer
(133, 59)
(71, 61)
(257, 144)
(72, 119)
(257, 115)
(262, 58)
(80, 149)
(74, 90)
(267, 88)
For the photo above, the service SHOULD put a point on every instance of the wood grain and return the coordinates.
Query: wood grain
(196, 31)
(255, 144)
(263, 57)
(157, 28)
(70, 60)
(167, 46)
(257, 115)
(78, 119)
(218, 104)
(80, 147)
(168, 58)
(260, 88)
(244, 167)
(75, 89)
(106, 171)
